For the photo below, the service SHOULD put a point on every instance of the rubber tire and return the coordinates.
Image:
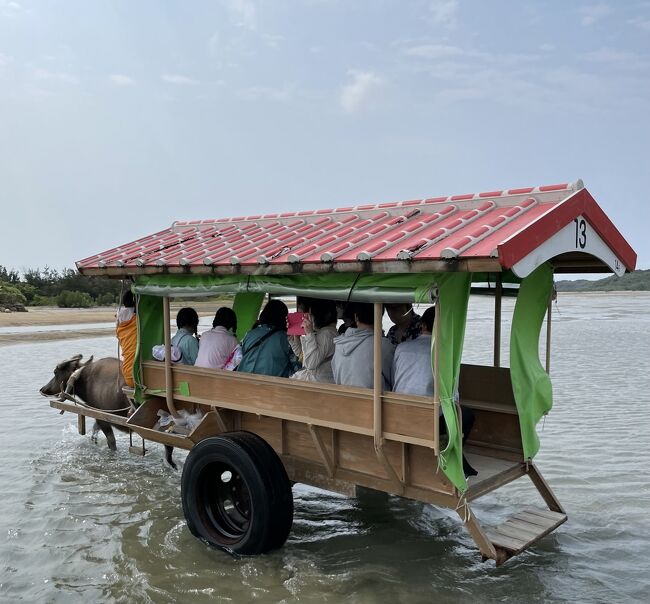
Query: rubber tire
(270, 513)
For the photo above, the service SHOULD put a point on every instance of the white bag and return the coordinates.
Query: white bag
(158, 352)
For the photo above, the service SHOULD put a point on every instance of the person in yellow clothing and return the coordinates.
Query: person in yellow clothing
(127, 335)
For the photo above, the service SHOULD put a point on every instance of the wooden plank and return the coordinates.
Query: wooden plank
(81, 424)
(408, 419)
(550, 515)
(322, 451)
(494, 482)
(485, 383)
(532, 519)
(117, 420)
(524, 527)
(513, 546)
(210, 425)
(544, 489)
(482, 540)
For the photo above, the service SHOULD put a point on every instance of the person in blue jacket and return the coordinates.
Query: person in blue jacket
(265, 348)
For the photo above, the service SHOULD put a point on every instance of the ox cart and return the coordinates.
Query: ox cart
(258, 434)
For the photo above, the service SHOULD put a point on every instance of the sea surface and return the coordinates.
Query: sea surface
(82, 524)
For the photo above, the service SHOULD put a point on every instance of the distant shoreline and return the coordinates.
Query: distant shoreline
(42, 316)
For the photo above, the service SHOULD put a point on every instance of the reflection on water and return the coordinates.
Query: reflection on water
(80, 523)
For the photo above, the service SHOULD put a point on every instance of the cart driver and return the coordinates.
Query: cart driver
(406, 323)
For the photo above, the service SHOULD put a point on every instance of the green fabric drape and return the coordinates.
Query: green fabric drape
(453, 297)
(150, 332)
(531, 384)
(334, 286)
(247, 308)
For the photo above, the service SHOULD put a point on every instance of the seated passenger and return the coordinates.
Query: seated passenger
(302, 305)
(412, 370)
(317, 345)
(345, 313)
(352, 363)
(265, 348)
(406, 323)
(413, 374)
(218, 344)
(127, 335)
(187, 321)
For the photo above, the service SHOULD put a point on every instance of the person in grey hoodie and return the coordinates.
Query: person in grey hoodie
(352, 363)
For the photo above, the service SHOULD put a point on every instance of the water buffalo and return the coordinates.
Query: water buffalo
(99, 385)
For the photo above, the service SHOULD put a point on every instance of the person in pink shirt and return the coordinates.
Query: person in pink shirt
(217, 345)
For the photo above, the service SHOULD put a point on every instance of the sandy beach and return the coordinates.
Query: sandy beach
(43, 316)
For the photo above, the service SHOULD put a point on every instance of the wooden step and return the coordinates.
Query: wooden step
(523, 529)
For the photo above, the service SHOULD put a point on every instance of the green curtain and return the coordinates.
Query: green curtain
(150, 332)
(399, 287)
(453, 297)
(530, 382)
(247, 308)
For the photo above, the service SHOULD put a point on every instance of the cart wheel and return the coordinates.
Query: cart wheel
(236, 494)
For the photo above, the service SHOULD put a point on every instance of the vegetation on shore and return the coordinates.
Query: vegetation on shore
(49, 287)
(637, 281)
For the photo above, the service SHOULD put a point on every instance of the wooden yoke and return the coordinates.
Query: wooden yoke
(378, 385)
(169, 381)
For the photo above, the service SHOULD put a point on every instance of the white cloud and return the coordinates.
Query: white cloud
(592, 13)
(641, 23)
(121, 80)
(357, 93)
(440, 53)
(243, 13)
(547, 47)
(443, 12)
(610, 55)
(178, 79)
(56, 76)
(5, 60)
(267, 93)
(434, 51)
(617, 59)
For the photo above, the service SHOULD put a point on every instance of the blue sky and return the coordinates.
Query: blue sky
(117, 118)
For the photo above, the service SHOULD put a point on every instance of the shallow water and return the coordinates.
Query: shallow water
(82, 524)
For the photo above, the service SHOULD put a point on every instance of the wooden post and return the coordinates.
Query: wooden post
(377, 377)
(548, 334)
(169, 382)
(378, 386)
(436, 379)
(81, 424)
(497, 322)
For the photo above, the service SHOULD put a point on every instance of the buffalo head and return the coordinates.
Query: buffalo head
(62, 373)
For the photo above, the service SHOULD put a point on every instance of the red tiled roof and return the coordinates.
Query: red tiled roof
(503, 226)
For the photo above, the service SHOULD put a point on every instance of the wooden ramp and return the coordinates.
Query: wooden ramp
(523, 529)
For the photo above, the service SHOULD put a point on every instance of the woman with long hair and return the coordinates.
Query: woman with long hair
(265, 348)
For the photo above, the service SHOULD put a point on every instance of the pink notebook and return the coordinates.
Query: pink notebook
(294, 320)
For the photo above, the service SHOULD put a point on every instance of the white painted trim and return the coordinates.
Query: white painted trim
(577, 236)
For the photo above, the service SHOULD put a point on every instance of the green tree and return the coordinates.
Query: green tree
(10, 296)
(74, 299)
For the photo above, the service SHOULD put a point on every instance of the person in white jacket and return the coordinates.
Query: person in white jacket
(352, 363)
(316, 347)
(218, 344)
